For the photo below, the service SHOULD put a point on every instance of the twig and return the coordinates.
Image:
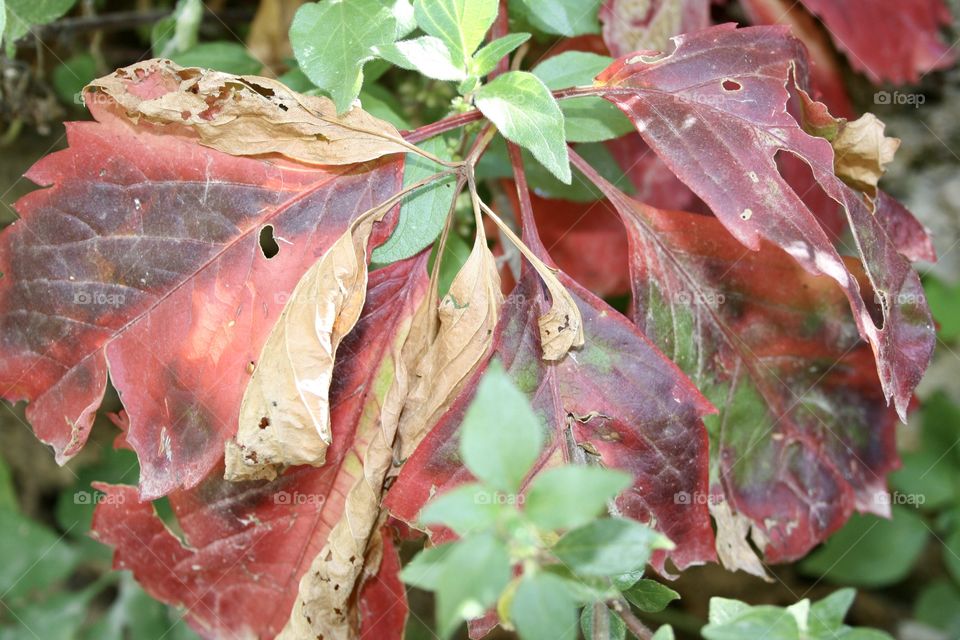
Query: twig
(636, 626)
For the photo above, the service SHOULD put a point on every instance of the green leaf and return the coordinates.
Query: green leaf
(423, 214)
(852, 555)
(608, 547)
(461, 24)
(75, 505)
(563, 17)
(58, 616)
(588, 118)
(770, 623)
(22, 15)
(34, 556)
(332, 41)
(611, 625)
(70, 77)
(827, 615)
(944, 301)
(229, 57)
(424, 570)
(455, 255)
(650, 596)
(376, 106)
(470, 581)
(490, 54)
(664, 633)
(527, 114)
(426, 54)
(571, 69)
(570, 496)
(177, 32)
(501, 436)
(467, 509)
(542, 609)
(939, 606)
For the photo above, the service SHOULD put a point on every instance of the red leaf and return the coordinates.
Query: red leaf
(715, 111)
(143, 252)
(825, 65)
(909, 32)
(802, 438)
(248, 544)
(617, 398)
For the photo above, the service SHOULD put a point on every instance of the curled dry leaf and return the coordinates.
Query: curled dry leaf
(448, 343)
(285, 413)
(561, 326)
(352, 553)
(861, 150)
(246, 115)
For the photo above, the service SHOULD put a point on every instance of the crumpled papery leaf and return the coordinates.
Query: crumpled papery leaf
(719, 127)
(802, 438)
(143, 252)
(246, 115)
(912, 45)
(447, 344)
(285, 414)
(247, 544)
(644, 25)
(861, 150)
(617, 400)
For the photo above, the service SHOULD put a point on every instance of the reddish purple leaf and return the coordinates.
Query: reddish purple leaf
(143, 253)
(249, 543)
(715, 111)
(897, 43)
(617, 398)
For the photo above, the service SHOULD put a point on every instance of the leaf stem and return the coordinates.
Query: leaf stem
(528, 225)
(634, 624)
(442, 126)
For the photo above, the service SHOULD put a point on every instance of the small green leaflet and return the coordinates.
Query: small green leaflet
(177, 32)
(332, 40)
(650, 595)
(470, 580)
(487, 57)
(526, 113)
(500, 452)
(543, 609)
(460, 24)
(608, 547)
(22, 15)
(426, 54)
(469, 508)
(563, 17)
(586, 118)
(423, 214)
(571, 496)
(229, 57)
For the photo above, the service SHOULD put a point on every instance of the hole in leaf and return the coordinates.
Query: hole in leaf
(268, 244)
(731, 85)
(264, 422)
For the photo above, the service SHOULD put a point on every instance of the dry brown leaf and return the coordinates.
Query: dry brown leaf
(862, 153)
(732, 548)
(285, 413)
(561, 327)
(268, 40)
(352, 553)
(444, 349)
(247, 115)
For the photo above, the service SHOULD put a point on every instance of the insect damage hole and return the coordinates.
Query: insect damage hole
(268, 244)
(731, 85)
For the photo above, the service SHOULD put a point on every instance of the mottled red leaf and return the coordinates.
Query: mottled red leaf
(246, 545)
(142, 255)
(803, 437)
(896, 43)
(825, 65)
(617, 398)
(714, 110)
